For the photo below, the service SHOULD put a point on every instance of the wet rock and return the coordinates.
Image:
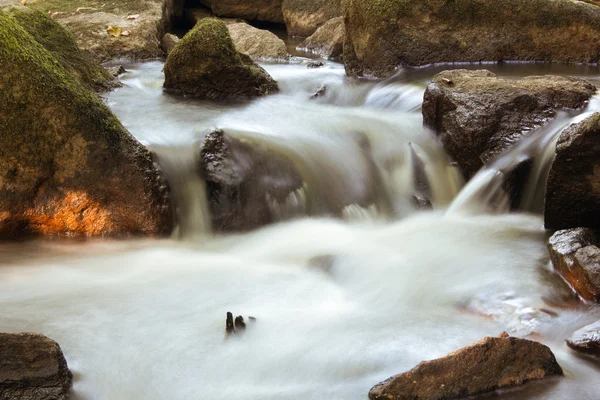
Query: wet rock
(259, 44)
(586, 340)
(237, 327)
(381, 35)
(32, 367)
(479, 115)
(420, 202)
(229, 326)
(67, 165)
(244, 180)
(240, 325)
(315, 64)
(116, 71)
(252, 10)
(205, 64)
(304, 17)
(322, 91)
(328, 40)
(490, 364)
(575, 256)
(168, 43)
(573, 186)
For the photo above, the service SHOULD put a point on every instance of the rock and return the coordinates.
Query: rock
(487, 365)
(328, 40)
(304, 17)
(381, 35)
(240, 325)
(575, 256)
(322, 91)
(67, 165)
(479, 115)
(586, 340)
(315, 64)
(61, 44)
(253, 10)
(205, 64)
(32, 367)
(243, 179)
(116, 71)
(169, 41)
(259, 44)
(573, 186)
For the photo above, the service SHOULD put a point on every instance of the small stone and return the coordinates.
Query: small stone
(240, 325)
(229, 327)
(315, 64)
(320, 92)
(586, 340)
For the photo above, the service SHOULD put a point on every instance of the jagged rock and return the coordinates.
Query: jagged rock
(253, 10)
(490, 364)
(32, 367)
(478, 115)
(169, 41)
(304, 17)
(259, 44)
(205, 64)
(573, 187)
(586, 340)
(243, 179)
(328, 40)
(315, 64)
(67, 165)
(381, 35)
(575, 256)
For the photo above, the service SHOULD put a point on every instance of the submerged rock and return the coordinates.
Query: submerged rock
(253, 10)
(573, 187)
(244, 181)
(328, 40)
(575, 256)
(490, 364)
(67, 165)
(205, 64)
(32, 367)
(586, 340)
(381, 35)
(479, 115)
(304, 17)
(257, 43)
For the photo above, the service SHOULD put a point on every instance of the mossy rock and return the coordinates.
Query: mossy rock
(384, 34)
(61, 44)
(206, 64)
(304, 17)
(67, 165)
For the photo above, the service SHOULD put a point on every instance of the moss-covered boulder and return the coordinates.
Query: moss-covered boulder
(206, 64)
(253, 10)
(383, 34)
(304, 17)
(61, 44)
(67, 165)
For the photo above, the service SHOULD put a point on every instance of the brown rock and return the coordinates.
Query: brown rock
(478, 115)
(169, 41)
(586, 340)
(254, 10)
(573, 187)
(259, 44)
(485, 366)
(575, 256)
(304, 17)
(328, 40)
(32, 367)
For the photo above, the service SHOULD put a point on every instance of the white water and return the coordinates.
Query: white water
(145, 319)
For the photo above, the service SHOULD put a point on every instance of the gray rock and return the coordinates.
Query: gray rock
(586, 340)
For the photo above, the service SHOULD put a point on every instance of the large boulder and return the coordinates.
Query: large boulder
(478, 115)
(304, 17)
(206, 64)
(576, 257)
(32, 367)
(253, 10)
(67, 165)
(381, 35)
(328, 40)
(259, 44)
(244, 181)
(586, 340)
(573, 186)
(490, 364)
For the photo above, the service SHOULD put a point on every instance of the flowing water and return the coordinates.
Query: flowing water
(340, 303)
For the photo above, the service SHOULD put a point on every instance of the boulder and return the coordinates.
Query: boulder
(575, 256)
(479, 115)
(168, 43)
(253, 10)
(61, 44)
(381, 35)
(259, 44)
(206, 64)
(244, 181)
(67, 165)
(32, 367)
(328, 40)
(586, 340)
(487, 365)
(304, 17)
(573, 186)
